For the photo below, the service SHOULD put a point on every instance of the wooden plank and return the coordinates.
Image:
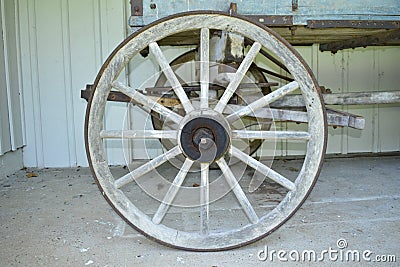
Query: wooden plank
(147, 102)
(234, 83)
(306, 10)
(172, 192)
(5, 137)
(334, 117)
(204, 67)
(139, 134)
(237, 190)
(264, 101)
(356, 98)
(204, 199)
(146, 168)
(298, 35)
(265, 170)
(10, 61)
(375, 39)
(172, 78)
(270, 135)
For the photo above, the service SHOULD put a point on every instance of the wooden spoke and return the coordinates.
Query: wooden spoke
(240, 73)
(237, 190)
(139, 134)
(149, 166)
(270, 135)
(260, 167)
(147, 102)
(204, 199)
(262, 102)
(204, 67)
(169, 73)
(172, 191)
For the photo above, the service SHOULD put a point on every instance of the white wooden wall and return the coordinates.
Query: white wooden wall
(63, 45)
(356, 70)
(11, 126)
(64, 42)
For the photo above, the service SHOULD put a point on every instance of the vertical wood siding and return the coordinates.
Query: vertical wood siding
(360, 70)
(11, 120)
(64, 43)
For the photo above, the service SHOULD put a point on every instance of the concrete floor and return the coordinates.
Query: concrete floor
(59, 218)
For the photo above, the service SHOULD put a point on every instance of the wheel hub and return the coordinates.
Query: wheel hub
(204, 139)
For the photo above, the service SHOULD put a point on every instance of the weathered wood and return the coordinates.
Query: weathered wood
(270, 135)
(340, 118)
(264, 101)
(139, 134)
(169, 73)
(237, 190)
(334, 118)
(204, 66)
(260, 167)
(204, 199)
(302, 35)
(353, 98)
(147, 102)
(172, 191)
(146, 168)
(193, 88)
(375, 39)
(356, 98)
(234, 83)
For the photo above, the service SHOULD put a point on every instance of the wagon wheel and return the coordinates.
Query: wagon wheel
(202, 128)
(180, 62)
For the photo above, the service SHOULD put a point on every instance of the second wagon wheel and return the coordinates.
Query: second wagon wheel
(181, 213)
(187, 61)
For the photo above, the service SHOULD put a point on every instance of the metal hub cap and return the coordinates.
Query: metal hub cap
(204, 139)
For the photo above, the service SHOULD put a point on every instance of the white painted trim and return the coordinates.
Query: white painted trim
(7, 76)
(69, 112)
(36, 100)
(19, 66)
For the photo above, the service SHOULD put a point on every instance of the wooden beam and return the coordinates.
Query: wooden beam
(356, 98)
(334, 117)
(376, 39)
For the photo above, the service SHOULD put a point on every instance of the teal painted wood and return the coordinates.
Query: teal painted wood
(307, 9)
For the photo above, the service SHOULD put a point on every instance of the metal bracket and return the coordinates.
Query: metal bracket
(272, 20)
(136, 7)
(295, 5)
(233, 9)
(355, 24)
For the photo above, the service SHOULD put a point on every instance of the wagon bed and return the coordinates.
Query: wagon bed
(333, 24)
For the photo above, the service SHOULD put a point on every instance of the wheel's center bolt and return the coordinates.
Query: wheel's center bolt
(201, 136)
(206, 143)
